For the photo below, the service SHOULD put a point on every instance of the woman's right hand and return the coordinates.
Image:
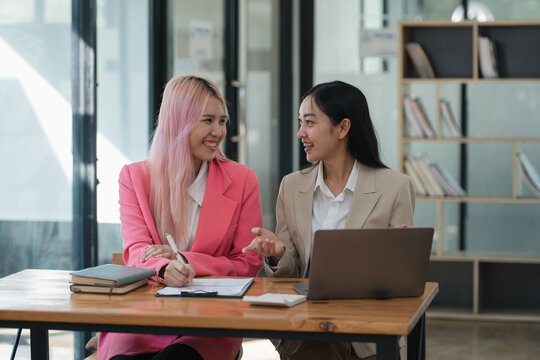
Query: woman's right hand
(177, 274)
(266, 243)
(157, 251)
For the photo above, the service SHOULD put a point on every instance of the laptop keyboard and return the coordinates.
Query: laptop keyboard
(302, 289)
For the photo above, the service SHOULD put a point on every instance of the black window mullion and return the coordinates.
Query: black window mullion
(307, 55)
(84, 130)
(463, 155)
(286, 82)
(307, 38)
(230, 65)
(158, 57)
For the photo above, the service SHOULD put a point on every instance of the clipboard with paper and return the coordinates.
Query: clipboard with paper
(212, 287)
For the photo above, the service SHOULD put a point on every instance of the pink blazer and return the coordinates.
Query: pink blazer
(229, 210)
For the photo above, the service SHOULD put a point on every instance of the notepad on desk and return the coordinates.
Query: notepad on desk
(274, 299)
(214, 287)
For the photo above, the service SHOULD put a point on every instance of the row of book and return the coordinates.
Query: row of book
(430, 178)
(486, 57)
(419, 123)
(529, 173)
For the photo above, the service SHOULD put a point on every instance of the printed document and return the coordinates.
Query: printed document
(221, 287)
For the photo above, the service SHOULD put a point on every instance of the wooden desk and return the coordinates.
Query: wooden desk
(40, 300)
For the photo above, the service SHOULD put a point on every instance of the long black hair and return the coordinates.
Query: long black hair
(339, 100)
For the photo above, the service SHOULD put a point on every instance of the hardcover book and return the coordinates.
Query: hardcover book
(110, 275)
(449, 119)
(79, 288)
(487, 58)
(420, 60)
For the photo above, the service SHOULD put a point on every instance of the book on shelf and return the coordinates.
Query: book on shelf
(416, 117)
(419, 59)
(447, 181)
(108, 277)
(431, 178)
(487, 58)
(417, 179)
(529, 172)
(422, 118)
(449, 119)
(412, 121)
(432, 185)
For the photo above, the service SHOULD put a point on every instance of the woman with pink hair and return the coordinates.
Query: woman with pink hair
(186, 187)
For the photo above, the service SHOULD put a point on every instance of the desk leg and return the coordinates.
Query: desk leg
(39, 344)
(388, 348)
(416, 341)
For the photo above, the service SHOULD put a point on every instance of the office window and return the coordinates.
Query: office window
(35, 136)
(197, 40)
(35, 147)
(260, 109)
(122, 107)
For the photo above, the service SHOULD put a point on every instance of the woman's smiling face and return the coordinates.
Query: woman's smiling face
(317, 133)
(211, 129)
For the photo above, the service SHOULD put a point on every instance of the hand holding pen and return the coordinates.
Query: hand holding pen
(177, 273)
(166, 251)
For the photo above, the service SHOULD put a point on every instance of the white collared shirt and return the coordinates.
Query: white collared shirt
(196, 191)
(329, 211)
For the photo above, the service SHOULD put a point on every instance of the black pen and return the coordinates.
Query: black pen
(172, 244)
(198, 293)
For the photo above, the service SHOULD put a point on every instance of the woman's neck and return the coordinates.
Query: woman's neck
(196, 167)
(336, 172)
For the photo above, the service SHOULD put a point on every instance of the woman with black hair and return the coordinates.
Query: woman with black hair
(347, 187)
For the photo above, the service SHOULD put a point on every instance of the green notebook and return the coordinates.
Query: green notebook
(110, 275)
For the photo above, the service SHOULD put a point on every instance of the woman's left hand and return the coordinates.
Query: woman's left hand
(157, 251)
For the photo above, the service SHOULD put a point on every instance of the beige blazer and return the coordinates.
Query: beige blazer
(382, 198)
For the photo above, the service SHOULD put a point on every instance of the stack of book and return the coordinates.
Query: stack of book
(416, 118)
(109, 279)
(529, 173)
(487, 58)
(431, 178)
(419, 59)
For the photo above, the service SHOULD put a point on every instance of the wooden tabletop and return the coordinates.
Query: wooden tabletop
(44, 295)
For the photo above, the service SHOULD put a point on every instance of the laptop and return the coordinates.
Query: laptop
(368, 263)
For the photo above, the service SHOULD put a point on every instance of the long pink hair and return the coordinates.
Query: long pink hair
(170, 163)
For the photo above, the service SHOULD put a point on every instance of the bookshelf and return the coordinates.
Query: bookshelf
(483, 283)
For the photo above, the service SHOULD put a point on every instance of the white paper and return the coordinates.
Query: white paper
(223, 286)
